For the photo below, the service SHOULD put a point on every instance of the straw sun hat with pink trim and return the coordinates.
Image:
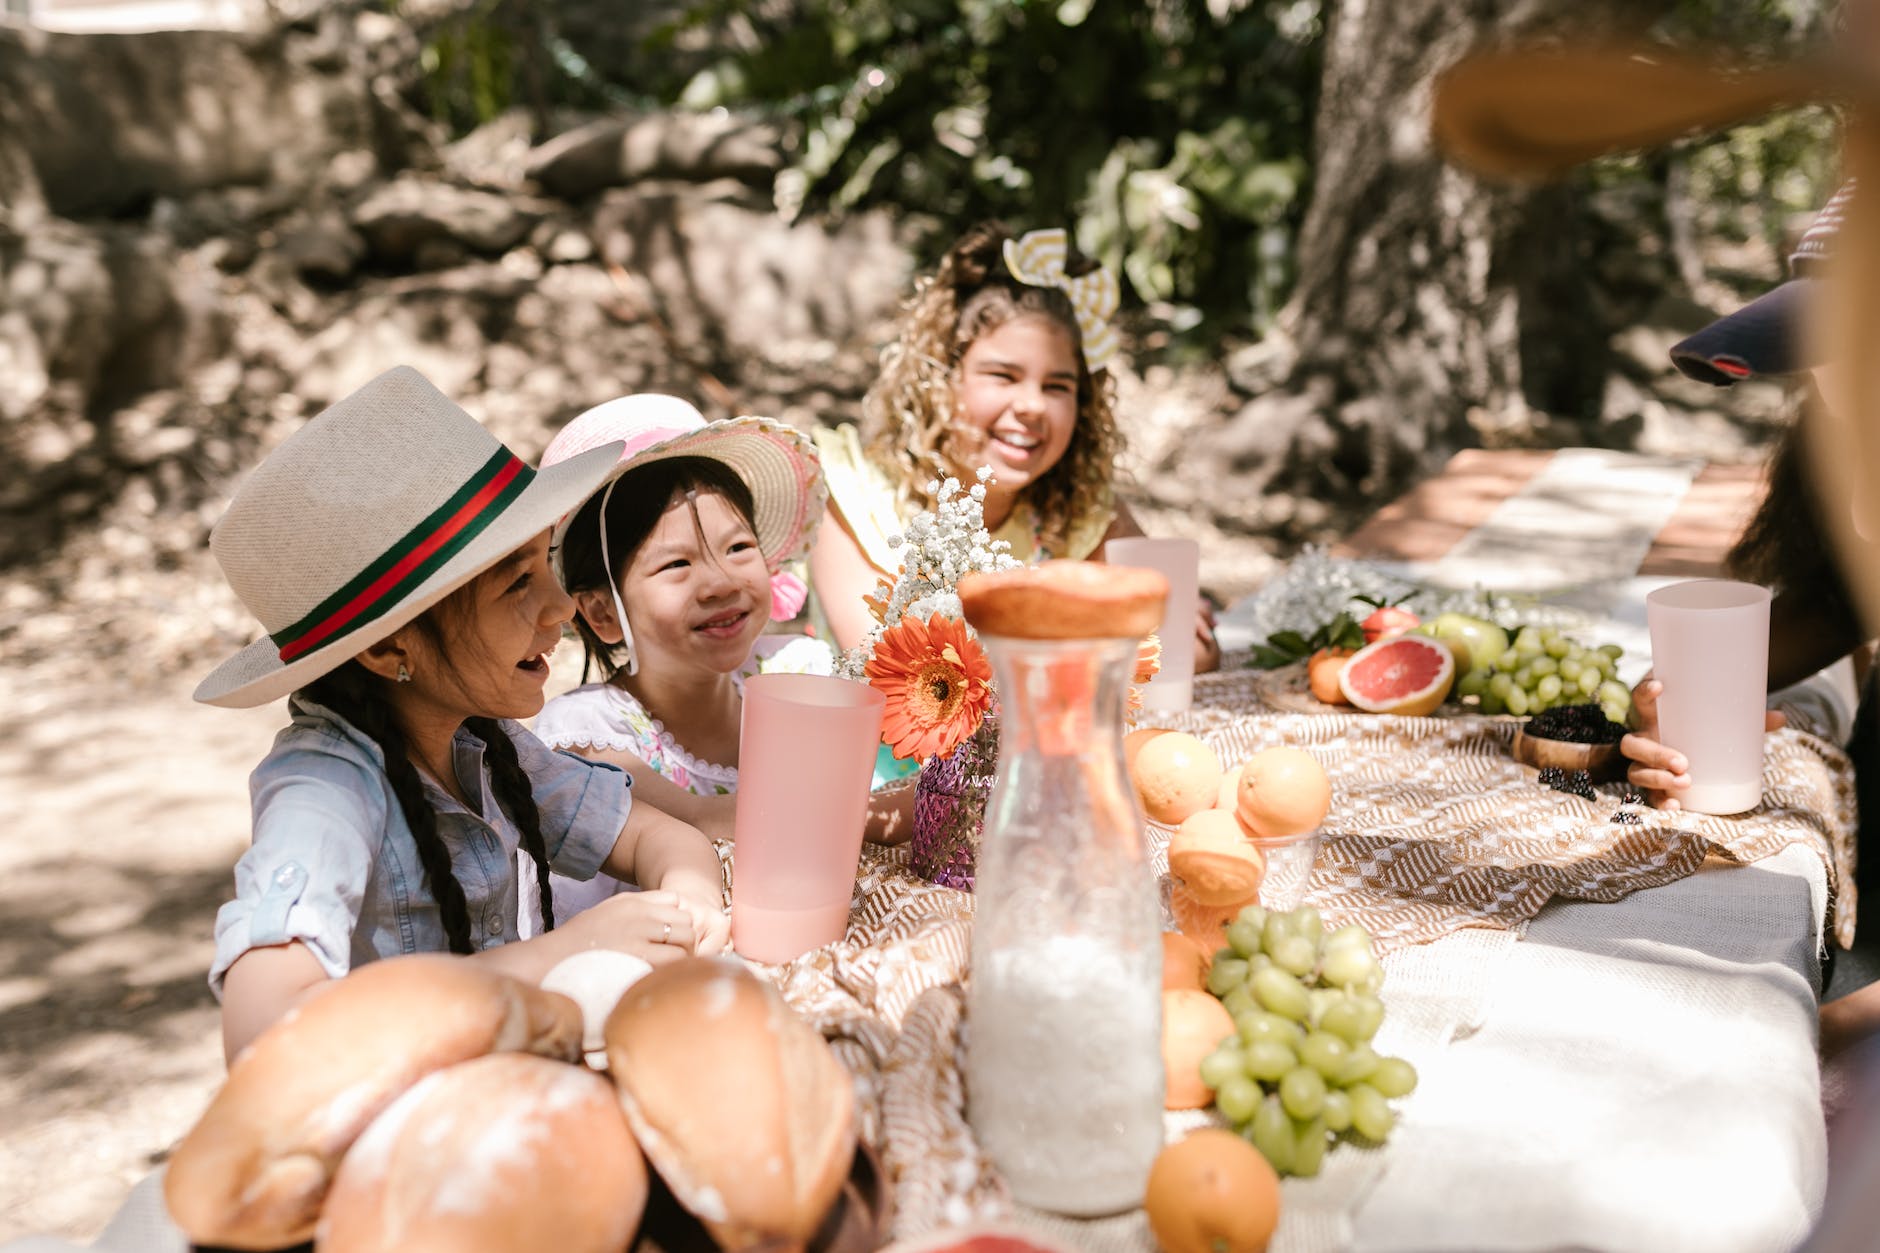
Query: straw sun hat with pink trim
(777, 463)
(374, 511)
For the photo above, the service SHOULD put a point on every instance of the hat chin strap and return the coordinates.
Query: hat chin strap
(613, 585)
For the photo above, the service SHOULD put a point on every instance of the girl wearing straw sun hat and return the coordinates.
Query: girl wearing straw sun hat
(676, 564)
(397, 555)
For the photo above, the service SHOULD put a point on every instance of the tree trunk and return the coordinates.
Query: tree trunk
(1430, 309)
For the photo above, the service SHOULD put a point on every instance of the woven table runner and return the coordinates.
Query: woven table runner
(1434, 830)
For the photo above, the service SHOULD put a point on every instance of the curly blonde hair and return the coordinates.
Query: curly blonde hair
(908, 415)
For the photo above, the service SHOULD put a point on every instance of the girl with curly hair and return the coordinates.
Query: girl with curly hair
(1000, 361)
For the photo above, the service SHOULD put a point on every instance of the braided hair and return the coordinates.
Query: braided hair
(357, 695)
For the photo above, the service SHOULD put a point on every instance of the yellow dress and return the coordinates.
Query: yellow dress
(865, 499)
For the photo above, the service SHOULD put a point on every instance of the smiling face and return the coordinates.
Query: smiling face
(697, 590)
(483, 653)
(1015, 401)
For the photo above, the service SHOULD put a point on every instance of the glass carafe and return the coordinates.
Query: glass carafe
(1063, 1057)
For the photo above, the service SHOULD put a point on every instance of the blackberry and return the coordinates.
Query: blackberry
(1632, 796)
(1628, 818)
(1572, 782)
(1575, 724)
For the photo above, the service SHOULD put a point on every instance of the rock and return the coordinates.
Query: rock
(403, 216)
(694, 147)
(109, 121)
(322, 247)
(723, 270)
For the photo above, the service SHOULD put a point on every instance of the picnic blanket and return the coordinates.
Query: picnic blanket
(1434, 831)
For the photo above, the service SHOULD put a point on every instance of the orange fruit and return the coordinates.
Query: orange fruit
(1322, 675)
(1175, 775)
(1408, 675)
(1193, 1024)
(1212, 1192)
(1133, 742)
(1209, 852)
(1206, 925)
(1184, 963)
(1229, 798)
(1284, 792)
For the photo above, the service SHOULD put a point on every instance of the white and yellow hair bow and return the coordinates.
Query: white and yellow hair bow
(1037, 260)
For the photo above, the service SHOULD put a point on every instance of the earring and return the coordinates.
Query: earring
(404, 675)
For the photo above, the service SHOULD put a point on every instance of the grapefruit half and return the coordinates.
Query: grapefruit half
(1405, 674)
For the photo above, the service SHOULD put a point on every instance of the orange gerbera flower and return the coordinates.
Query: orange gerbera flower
(877, 602)
(937, 681)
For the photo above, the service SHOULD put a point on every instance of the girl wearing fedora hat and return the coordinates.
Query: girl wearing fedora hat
(398, 557)
(676, 564)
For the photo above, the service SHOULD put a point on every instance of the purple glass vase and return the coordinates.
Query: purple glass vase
(950, 808)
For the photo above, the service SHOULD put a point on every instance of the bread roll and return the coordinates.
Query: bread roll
(740, 1105)
(254, 1170)
(1065, 600)
(495, 1155)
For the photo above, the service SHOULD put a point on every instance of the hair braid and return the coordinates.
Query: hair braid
(351, 692)
(510, 783)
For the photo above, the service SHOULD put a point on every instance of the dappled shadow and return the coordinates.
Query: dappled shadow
(89, 951)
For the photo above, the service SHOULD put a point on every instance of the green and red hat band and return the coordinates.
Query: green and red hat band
(419, 554)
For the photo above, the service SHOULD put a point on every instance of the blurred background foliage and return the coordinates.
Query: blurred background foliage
(1176, 135)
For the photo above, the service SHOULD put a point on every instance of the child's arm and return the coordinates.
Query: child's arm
(656, 850)
(841, 574)
(713, 815)
(259, 989)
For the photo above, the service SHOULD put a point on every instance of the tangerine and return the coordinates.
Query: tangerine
(1206, 925)
(1175, 775)
(1210, 853)
(1322, 675)
(1193, 1025)
(1212, 1192)
(1133, 742)
(1184, 963)
(1230, 789)
(1284, 793)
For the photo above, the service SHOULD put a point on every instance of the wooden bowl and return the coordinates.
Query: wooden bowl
(1604, 762)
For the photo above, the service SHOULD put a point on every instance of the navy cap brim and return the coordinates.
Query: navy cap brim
(1763, 339)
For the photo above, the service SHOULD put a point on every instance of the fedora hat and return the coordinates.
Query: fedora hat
(777, 463)
(371, 513)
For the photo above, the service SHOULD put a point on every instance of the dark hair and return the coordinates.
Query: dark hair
(639, 500)
(907, 415)
(357, 695)
(1784, 544)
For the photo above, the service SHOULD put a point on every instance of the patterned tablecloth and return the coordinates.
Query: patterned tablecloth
(1445, 850)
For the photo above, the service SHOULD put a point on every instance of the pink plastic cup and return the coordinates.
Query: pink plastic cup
(1710, 649)
(1179, 561)
(806, 757)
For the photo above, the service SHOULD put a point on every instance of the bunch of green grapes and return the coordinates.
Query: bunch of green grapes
(1542, 669)
(1299, 1069)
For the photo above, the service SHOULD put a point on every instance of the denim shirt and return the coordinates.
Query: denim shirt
(335, 866)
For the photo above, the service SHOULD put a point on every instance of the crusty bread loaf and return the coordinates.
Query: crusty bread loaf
(740, 1105)
(1065, 600)
(254, 1170)
(494, 1155)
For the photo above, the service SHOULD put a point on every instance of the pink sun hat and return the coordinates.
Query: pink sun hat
(777, 463)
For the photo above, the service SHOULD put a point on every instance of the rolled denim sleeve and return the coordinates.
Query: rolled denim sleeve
(583, 804)
(319, 818)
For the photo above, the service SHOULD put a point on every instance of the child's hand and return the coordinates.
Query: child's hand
(657, 927)
(1663, 773)
(711, 925)
(1207, 648)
